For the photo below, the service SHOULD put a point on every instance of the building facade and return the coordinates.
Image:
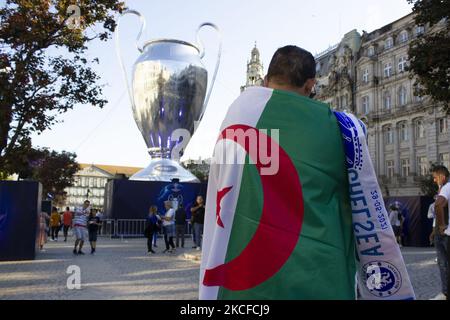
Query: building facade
(407, 132)
(367, 75)
(90, 182)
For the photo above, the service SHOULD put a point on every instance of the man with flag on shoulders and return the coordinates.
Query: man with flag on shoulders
(279, 221)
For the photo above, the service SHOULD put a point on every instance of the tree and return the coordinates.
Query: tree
(200, 175)
(54, 170)
(43, 66)
(429, 54)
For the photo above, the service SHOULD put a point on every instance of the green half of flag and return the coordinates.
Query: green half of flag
(322, 264)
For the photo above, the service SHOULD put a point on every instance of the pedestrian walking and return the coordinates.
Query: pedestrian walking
(80, 226)
(93, 223)
(151, 227)
(169, 227)
(55, 222)
(180, 225)
(198, 217)
(67, 222)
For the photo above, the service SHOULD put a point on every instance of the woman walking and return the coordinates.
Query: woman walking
(43, 217)
(151, 227)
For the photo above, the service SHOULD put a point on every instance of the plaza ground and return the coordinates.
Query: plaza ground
(121, 269)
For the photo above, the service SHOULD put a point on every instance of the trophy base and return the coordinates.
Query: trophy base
(164, 170)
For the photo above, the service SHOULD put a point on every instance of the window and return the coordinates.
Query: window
(402, 99)
(420, 30)
(420, 129)
(403, 131)
(91, 182)
(371, 51)
(388, 70)
(365, 105)
(405, 167)
(443, 125)
(422, 166)
(388, 135)
(389, 43)
(83, 181)
(387, 100)
(402, 64)
(389, 168)
(365, 77)
(403, 36)
(444, 159)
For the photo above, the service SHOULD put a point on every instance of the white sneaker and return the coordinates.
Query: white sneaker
(440, 296)
(198, 249)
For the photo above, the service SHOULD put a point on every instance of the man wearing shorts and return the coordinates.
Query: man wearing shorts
(80, 226)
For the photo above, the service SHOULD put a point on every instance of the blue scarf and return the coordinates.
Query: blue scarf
(382, 273)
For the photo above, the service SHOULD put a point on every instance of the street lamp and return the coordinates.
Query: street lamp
(87, 194)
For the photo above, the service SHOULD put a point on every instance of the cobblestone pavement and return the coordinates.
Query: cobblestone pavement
(118, 270)
(423, 271)
(122, 270)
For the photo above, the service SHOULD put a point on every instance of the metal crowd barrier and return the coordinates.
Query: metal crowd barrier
(129, 228)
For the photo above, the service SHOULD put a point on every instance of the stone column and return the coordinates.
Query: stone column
(412, 151)
(381, 152)
(397, 169)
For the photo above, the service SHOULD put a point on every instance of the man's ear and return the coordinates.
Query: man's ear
(309, 85)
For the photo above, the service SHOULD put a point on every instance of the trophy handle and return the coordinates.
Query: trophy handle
(118, 51)
(202, 54)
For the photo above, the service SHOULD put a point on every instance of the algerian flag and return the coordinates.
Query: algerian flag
(278, 221)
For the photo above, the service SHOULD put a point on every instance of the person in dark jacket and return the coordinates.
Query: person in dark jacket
(180, 225)
(198, 216)
(151, 227)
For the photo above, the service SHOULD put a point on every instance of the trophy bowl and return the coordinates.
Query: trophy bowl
(168, 90)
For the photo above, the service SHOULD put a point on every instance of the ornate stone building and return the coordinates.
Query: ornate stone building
(406, 132)
(90, 183)
(367, 75)
(255, 70)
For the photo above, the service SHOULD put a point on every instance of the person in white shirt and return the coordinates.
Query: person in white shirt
(396, 222)
(432, 215)
(442, 230)
(80, 226)
(169, 227)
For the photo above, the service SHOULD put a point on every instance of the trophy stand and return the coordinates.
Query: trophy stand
(161, 169)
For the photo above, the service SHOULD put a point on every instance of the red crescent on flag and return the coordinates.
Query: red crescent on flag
(220, 194)
(278, 230)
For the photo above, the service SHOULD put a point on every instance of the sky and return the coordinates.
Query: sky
(110, 135)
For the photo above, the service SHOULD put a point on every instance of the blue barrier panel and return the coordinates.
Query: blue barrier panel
(127, 199)
(20, 204)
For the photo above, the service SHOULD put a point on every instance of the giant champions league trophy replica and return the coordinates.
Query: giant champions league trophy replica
(167, 93)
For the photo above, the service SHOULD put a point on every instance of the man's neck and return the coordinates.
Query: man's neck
(297, 90)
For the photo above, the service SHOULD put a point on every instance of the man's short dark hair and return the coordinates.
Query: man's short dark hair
(292, 65)
(440, 169)
(87, 201)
